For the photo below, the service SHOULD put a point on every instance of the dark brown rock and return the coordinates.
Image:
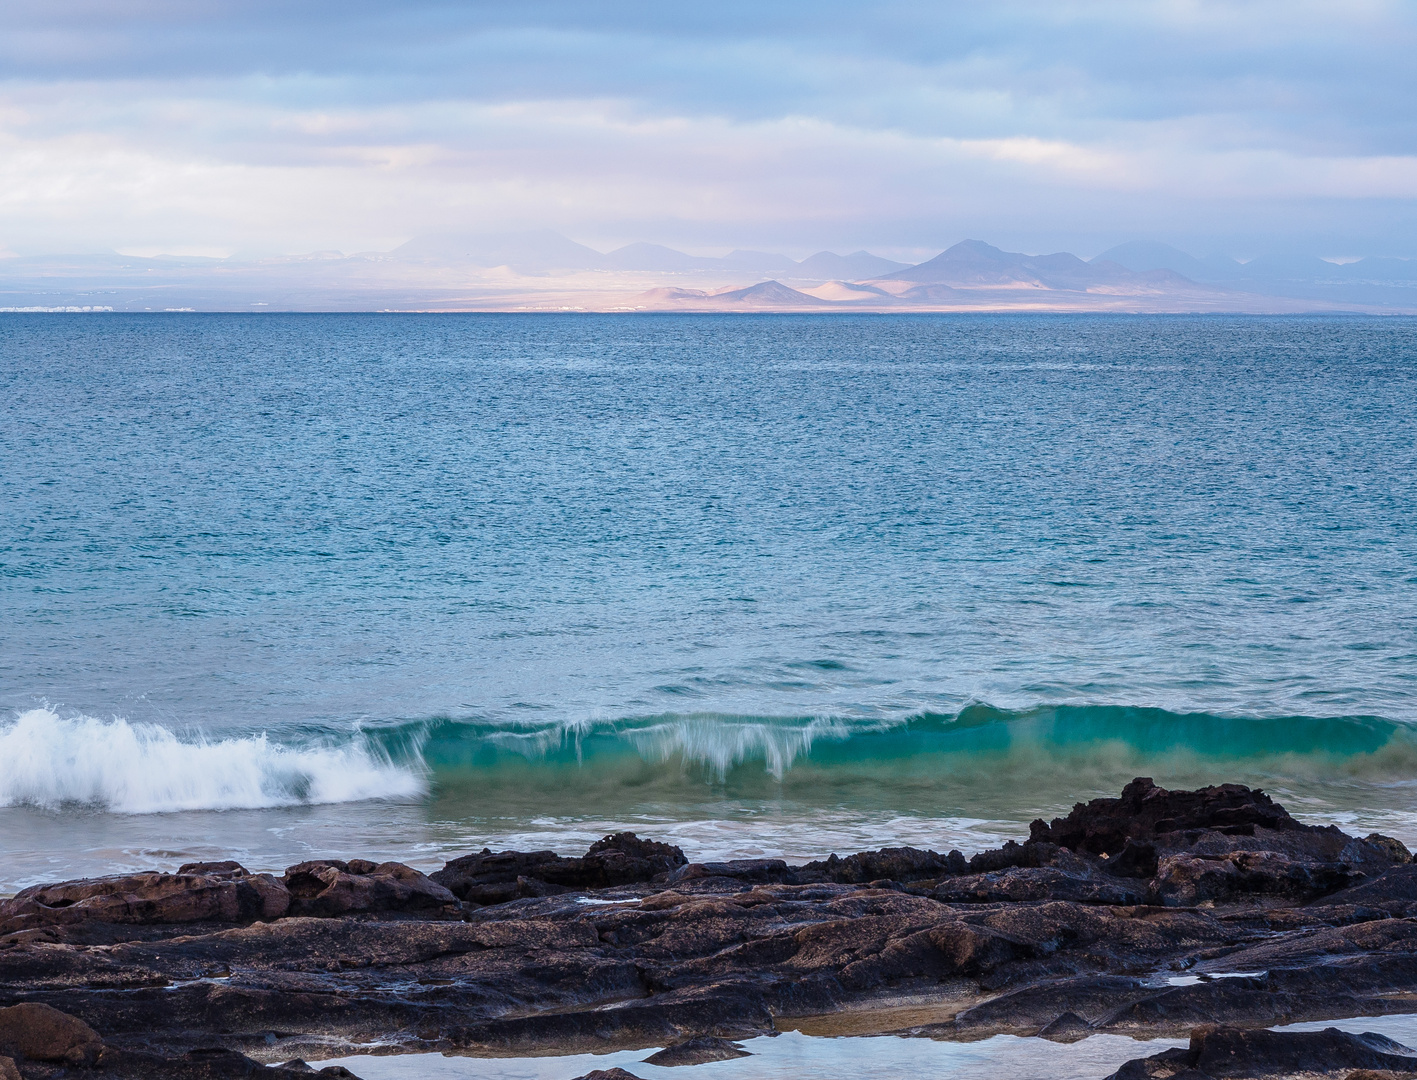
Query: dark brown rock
(1397, 886)
(8, 1071)
(202, 892)
(1186, 880)
(698, 1051)
(892, 864)
(32, 1030)
(753, 870)
(1068, 1028)
(1139, 859)
(1030, 855)
(1395, 849)
(1044, 883)
(325, 888)
(1145, 812)
(132, 898)
(489, 877)
(1222, 1053)
(608, 1074)
(620, 859)
(226, 868)
(1055, 941)
(262, 896)
(206, 1063)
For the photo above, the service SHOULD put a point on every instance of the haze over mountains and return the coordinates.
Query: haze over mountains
(544, 270)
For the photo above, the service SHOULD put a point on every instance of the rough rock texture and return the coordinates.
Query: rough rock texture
(183, 897)
(608, 1074)
(1187, 880)
(330, 887)
(1222, 1053)
(495, 878)
(219, 893)
(754, 870)
(1203, 819)
(697, 1051)
(1208, 907)
(31, 1030)
(1146, 812)
(50, 1043)
(887, 864)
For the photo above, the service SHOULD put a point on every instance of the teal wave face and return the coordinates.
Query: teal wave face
(982, 760)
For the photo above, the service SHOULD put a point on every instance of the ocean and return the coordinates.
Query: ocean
(405, 586)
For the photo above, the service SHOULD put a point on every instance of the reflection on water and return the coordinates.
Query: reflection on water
(793, 1056)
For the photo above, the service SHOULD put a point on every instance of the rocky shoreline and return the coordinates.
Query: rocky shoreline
(1208, 914)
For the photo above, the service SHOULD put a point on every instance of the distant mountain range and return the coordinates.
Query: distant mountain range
(545, 251)
(544, 270)
(1372, 281)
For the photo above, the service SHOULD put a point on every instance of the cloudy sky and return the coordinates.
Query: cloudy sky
(289, 125)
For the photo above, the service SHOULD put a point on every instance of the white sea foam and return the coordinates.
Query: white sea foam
(721, 743)
(49, 760)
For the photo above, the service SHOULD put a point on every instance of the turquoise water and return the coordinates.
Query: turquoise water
(407, 584)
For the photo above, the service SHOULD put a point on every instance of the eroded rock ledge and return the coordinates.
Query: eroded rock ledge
(1149, 914)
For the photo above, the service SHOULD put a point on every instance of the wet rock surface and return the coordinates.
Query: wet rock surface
(48, 1043)
(1222, 1053)
(1148, 915)
(698, 1051)
(496, 877)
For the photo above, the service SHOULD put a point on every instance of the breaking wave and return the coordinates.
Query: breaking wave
(48, 760)
(716, 747)
(980, 756)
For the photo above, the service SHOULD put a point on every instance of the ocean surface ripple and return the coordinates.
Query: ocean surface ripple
(403, 584)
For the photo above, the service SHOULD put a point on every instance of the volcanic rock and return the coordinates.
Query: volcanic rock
(126, 898)
(1137, 860)
(8, 1071)
(698, 1051)
(1146, 812)
(227, 868)
(32, 1030)
(194, 894)
(1396, 849)
(206, 1063)
(1030, 855)
(1395, 888)
(1187, 880)
(1044, 883)
(619, 859)
(331, 887)
(892, 864)
(608, 1074)
(1220, 1053)
(1068, 1028)
(755, 870)
(630, 946)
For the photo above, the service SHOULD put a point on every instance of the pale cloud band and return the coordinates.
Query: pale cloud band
(1219, 126)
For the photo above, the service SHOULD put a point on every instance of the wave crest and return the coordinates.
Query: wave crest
(49, 761)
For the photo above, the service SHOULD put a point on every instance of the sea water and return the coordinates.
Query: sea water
(403, 586)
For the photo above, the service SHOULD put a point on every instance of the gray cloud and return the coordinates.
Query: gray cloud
(1238, 126)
